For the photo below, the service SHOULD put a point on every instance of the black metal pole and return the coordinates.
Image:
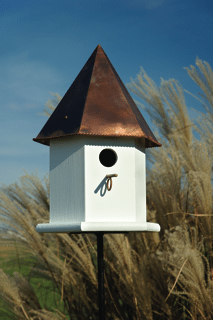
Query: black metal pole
(101, 300)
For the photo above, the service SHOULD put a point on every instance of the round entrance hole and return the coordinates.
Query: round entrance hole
(108, 157)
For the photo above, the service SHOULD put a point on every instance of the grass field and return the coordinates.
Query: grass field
(44, 289)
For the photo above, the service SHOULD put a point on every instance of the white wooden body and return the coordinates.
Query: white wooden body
(79, 199)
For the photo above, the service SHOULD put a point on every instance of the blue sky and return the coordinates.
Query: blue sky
(45, 44)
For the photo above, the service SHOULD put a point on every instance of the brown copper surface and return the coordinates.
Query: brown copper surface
(97, 103)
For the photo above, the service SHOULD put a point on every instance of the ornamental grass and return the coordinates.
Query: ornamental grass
(148, 275)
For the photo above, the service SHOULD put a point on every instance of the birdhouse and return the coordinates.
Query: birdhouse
(97, 138)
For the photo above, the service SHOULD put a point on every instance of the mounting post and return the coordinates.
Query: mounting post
(101, 293)
(101, 301)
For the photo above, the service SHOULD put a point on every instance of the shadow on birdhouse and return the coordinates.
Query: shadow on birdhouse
(97, 138)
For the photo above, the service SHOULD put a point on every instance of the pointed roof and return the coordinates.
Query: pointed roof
(97, 104)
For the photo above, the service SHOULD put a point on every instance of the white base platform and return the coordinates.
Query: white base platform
(97, 226)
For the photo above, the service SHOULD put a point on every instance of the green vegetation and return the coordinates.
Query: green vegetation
(47, 298)
(150, 276)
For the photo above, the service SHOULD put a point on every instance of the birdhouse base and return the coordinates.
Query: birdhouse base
(97, 226)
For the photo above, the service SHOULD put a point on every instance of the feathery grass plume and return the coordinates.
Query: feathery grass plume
(26, 206)
(180, 160)
(203, 77)
(166, 275)
(51, 104)
(186, 265)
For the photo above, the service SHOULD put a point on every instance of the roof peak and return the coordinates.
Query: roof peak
(97, 103)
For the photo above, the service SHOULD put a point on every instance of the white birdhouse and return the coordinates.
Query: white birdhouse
(97, 139)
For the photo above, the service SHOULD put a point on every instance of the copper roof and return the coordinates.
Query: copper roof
(97, 103)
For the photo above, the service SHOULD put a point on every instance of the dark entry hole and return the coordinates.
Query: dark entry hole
(108, 157)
